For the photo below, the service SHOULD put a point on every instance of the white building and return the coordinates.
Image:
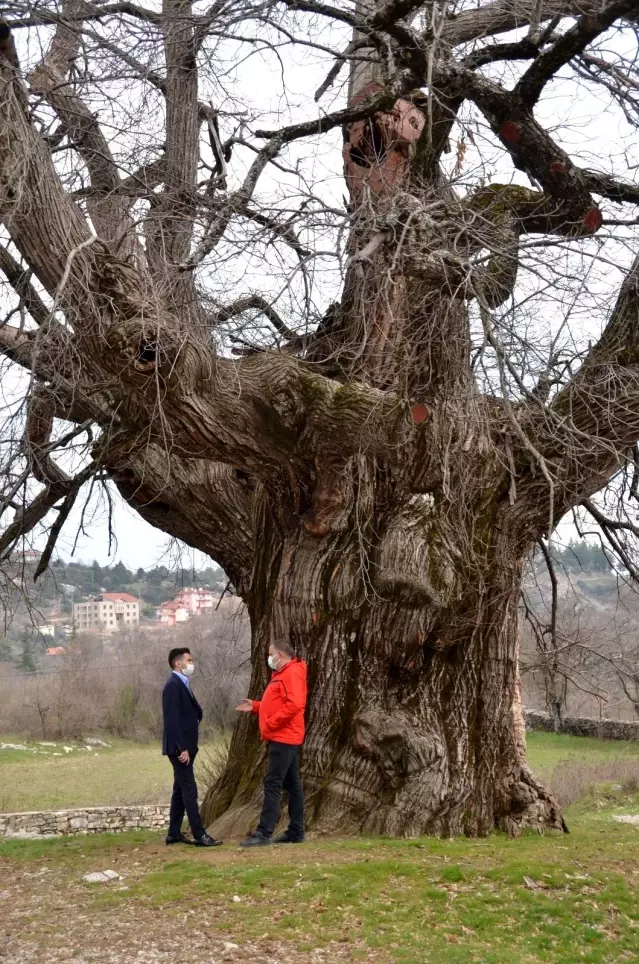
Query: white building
(109, 612)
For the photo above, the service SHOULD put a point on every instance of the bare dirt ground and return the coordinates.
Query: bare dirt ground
(51, 916)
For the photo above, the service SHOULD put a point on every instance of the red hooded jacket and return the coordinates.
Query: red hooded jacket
(281, 709)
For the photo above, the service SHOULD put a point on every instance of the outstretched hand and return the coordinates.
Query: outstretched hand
(246, 706)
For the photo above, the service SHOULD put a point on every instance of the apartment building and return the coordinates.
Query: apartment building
(109, 612)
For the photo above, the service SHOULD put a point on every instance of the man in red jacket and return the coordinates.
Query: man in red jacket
(281, 721)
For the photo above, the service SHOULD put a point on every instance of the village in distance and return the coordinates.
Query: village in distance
(73, 598)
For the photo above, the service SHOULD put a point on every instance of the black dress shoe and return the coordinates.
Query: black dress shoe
(286, 838)
(256, 840)
(180, 839)
(206, 841)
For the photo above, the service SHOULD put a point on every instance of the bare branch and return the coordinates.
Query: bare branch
(170, 231)
(610, 528)
(534, 151)
(381, 101)
(610, 187)
(519, 50)
(218, 516)
(325, 10)
(260, 304)
(107, 209)
(37, 438)
(572, 43)
(99, 12)
(18, 278)
(502, 16)
(29, 517)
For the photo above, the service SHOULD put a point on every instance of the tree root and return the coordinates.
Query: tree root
(529, 804)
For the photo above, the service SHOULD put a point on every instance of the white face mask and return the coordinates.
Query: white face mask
(272, 662)
(189, 669)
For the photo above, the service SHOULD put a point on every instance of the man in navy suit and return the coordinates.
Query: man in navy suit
(182, 715)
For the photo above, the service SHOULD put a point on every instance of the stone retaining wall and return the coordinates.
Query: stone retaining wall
(90, 820)
(583, 726)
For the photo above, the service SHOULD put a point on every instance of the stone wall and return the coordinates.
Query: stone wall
(583, 726)
(90, 820)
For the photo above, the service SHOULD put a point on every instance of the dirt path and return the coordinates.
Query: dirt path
(51, 916)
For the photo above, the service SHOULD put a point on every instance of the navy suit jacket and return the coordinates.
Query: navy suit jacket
(181, 714)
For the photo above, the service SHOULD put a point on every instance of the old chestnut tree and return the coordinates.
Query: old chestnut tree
(342, 295)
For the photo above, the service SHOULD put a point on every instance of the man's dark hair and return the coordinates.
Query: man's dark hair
(176, 653)
(283, 646)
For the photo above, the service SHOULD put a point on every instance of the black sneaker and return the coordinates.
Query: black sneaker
(286, 838)
(206, 841)
(179, 839)
(256, 839)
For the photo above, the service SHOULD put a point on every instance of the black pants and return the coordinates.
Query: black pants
(282, 773)
(184, 798)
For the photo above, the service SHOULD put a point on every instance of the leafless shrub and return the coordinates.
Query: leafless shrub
(114, 685)
(572, 780)
(580, 647)
(212, 760)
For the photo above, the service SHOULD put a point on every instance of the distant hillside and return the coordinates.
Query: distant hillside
(591, 667)
(586, 590)
(66, 583)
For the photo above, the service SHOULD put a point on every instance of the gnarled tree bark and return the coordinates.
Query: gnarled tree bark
(366, 499)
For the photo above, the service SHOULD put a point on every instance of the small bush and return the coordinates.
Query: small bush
(571, 781)
(212, 760)
(114, 685)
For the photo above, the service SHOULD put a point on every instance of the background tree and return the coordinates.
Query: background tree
(628, 673)
(26, 662)
(426, 378)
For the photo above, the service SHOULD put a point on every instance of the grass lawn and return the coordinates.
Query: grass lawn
(554, 899)
(547, 750)
(48, 778)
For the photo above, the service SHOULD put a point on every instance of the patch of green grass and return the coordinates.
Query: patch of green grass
(18, 756)
(39, 751)
(553, 899)
(130, 773)
(69, 851)
(537, 899)
(547, 750)
(121, 774)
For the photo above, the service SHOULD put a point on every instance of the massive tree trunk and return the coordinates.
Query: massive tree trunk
(405, 606)
(370, 496)
(410, 724)
(408, 618)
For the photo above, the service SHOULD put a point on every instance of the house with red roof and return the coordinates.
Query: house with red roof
(188, 602)
(109, 612)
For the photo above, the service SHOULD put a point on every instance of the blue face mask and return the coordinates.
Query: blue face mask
(272, 662)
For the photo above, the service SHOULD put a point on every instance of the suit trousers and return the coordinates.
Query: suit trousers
(282, 773)
(184, 799)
